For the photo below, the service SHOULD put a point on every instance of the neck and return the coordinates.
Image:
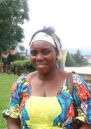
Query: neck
(49, 76)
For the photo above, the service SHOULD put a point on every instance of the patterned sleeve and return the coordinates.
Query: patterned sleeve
(15, 100)
(82, 99)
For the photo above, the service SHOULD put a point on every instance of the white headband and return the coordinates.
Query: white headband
(45, 37)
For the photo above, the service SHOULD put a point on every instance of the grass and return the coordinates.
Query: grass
(6, 81)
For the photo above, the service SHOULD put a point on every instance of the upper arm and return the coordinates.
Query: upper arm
(15, 100)
(82, 99)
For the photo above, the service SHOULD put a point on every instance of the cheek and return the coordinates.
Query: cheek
(32, 59)
(51, 59)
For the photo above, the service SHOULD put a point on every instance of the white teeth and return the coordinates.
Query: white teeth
(41, 65)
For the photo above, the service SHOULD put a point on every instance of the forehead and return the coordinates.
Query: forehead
(41, 44)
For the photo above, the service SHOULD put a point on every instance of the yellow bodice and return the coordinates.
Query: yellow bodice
(42, 111)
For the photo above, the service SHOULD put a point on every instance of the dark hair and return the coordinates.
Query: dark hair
(50, 31)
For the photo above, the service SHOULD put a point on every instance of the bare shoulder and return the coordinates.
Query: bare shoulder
(63, 73)
(32, 75)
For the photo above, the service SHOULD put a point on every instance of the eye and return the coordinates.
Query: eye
(45, 52)
(33, 52)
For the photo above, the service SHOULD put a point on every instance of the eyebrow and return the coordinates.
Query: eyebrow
(42, 48)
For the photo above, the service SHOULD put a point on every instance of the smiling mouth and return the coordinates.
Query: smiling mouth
(41, 65)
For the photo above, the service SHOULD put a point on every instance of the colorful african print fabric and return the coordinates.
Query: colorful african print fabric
(49, 112)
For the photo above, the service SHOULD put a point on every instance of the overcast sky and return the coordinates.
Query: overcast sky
(70, 18)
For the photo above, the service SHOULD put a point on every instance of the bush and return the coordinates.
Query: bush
(1, 66)
(12, 58)
(21, 66)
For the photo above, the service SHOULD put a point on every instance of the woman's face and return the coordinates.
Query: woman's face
(43, 56)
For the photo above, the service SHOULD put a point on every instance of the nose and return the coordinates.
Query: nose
(39, 57)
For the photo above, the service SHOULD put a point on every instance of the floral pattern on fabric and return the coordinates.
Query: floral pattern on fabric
(21, 91)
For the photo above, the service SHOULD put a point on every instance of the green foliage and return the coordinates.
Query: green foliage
(76, 59)
(79, 59)
(12, 15)
(12, 58)
(1, 64)
(1, 67)
(21, 48)
(22, 66)
(6, 81)
(70, 60)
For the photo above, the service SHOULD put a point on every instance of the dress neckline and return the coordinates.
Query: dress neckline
(58, 90)
(43, 96)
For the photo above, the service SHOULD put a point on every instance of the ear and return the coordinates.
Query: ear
(57, 53)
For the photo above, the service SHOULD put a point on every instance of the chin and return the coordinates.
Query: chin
(43, 71)
(42, 68)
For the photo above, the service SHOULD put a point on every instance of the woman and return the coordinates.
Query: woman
(42, 99)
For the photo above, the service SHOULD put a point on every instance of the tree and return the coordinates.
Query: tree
(21, 48)
(79, 59)
(12, 16)
(76, 59)
(70, 60)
